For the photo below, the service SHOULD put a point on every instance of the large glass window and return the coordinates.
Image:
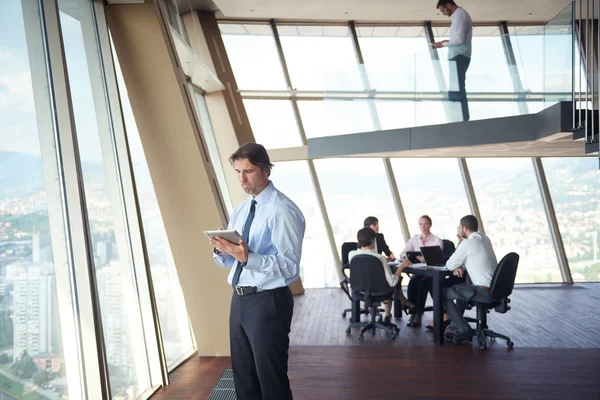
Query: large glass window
(432, 186)
(317, 268)
(273, 123)
(39, 356)
(575, 188)
(320, 57)
(397, 58)
(335, 117)
(172, 311)
(356, 188)
(513, 215)
(253, 56)
(119, 300)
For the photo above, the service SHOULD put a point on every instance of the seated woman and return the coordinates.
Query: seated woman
(380, 244)
(366, 242)
(418, 287)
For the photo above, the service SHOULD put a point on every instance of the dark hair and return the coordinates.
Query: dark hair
(427, 217)
(444, 3)
(365, 236)
(255, 153)
(370, 221)
(470, 222)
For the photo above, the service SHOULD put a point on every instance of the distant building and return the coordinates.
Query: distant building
(50, 363)
(35, 312)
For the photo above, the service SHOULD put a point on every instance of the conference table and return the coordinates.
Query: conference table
(438, 275)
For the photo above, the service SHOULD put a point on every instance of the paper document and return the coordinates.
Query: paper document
(393, 263)
(419, 265)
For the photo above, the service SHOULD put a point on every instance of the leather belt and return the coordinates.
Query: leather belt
(485, 288)
(245, 290)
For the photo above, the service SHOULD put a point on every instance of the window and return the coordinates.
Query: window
(397, 58)
(335, 117)
(574, 184)
(432, 186)
(213, 148)
(121, 319)
(513, 215)
(273, 123)
(172, 312)
(317, 266)
(37, 324)
(353, 189)
(253, 56)
(320, 57)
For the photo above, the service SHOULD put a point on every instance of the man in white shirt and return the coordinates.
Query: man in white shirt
(476, 255)
(459, 51)
(366, 242)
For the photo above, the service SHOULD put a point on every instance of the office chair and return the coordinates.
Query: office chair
(347, 247)
(448, 249)
(369, 284)
(503, 282)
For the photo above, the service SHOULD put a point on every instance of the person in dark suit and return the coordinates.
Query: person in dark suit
(380, 244)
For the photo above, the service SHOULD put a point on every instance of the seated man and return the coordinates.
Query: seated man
(477, 256)
(366, 242)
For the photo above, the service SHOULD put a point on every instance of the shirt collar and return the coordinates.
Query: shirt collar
(475, 235)
(264, 195)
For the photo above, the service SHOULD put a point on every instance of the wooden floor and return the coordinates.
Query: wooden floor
(556, 331)
(553, 316)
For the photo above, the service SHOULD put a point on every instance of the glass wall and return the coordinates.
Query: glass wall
(354, 189)
(38, 358)
(575, 188)
(273, 123)
(432, 186)
(121, 321)
(513, 215)
(317, 267)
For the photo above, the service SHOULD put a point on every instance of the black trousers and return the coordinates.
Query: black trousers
(461, 63)
(456, 310)
(419, 286)
(259, 325)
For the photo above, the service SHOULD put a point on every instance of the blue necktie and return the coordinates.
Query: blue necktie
(246, 237)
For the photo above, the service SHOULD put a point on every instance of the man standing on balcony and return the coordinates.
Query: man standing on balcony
(459, 51)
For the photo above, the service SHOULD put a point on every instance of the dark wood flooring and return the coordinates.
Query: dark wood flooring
(556, 330)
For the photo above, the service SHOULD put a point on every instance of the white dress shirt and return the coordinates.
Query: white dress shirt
(389, 276)
(274, 244)
(477, 256)
(461, 34)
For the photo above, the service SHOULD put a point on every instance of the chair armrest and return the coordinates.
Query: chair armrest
(344, 269)
(503, 306)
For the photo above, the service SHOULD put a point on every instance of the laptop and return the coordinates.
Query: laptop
(434, 256)
(412, 256)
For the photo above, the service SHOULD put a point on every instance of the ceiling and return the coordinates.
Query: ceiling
(377, 10)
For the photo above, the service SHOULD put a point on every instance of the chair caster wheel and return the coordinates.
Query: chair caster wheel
(394, 336)
(482, 344)
(344, 314)
(373, 332)
(361, 337)
(493, 339)
(348, 332)
(510, 344)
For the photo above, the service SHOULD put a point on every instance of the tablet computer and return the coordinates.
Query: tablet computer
(412, 256)
(231, 236)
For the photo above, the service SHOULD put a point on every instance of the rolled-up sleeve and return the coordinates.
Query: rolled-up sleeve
(459, 257)
(287, 232)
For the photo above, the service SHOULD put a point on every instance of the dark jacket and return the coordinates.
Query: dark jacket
(382, 245)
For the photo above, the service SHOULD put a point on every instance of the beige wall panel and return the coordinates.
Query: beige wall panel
(169, 135)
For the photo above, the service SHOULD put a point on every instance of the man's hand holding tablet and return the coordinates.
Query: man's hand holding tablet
(229, 242)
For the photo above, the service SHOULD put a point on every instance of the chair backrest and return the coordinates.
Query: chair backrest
(448, 249)
(367, 274)
(346, 249)
(503, 280)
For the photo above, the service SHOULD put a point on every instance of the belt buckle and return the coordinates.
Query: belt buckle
(239, 290)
